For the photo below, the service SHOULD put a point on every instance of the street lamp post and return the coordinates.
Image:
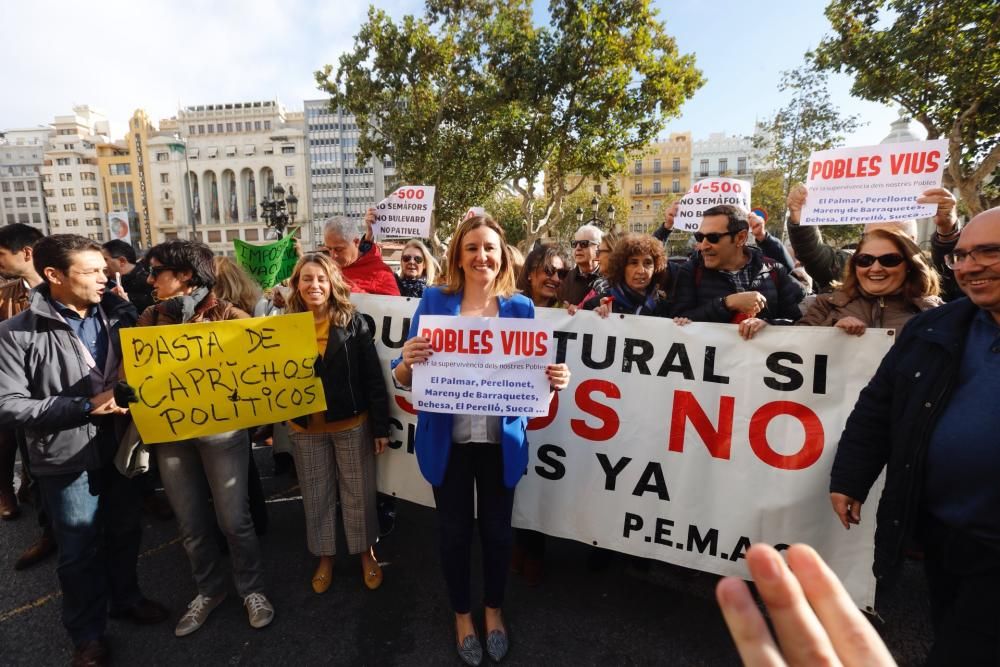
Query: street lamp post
(594, 219)
(278, 210)
(190, 190)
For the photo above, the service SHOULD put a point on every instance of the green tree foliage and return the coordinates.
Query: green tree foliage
(809, 122)
(562, 229)
(472, 96)
(940, 61)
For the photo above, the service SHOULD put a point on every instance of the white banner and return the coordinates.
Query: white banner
(484, 366)
(707, 193)
(118, 227)
(849, 186)
(683, 444)
(406, 213)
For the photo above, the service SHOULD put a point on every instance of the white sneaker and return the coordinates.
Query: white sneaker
(197, 613)
(259, 610)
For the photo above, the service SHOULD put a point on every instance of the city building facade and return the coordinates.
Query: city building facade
(338, 184)
(728, 156)
(22, 196)
(659, 176)
(211, 166)
(71, 175)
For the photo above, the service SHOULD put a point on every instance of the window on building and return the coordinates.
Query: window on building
(239, 126)
(162, 157)
(65, 177)
(190, 129)
(723, 165)
(5, 186)
(32, 186)
(211, 128)
(168, 214)
(232, 234)
(11, 218)
(656, 187)
(164, 178)
(201, 129)
(597, 189)
(215, 236)
(88, 176)
(218, 128)
(23, 218)
(90, 206)
(703, 168)
(22, 202)
(741, 165)
(287, 150)
(656, 166)
(36, 218)
(256, 125)
(229, 127)
(92, 192)
(52, 208)
(267, 125)
(638, 166)
(289, 170)
(250, 235)
(66, 192)
(69, 207)
(120, 169)
(677, 164)
(638, 188)
(675, 186)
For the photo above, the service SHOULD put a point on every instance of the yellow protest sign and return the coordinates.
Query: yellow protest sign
(212, 377)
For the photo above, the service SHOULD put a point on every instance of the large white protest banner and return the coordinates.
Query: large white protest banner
(484, 366)
(873, 183)
(705, 194)
(683, 444)
(406, 213)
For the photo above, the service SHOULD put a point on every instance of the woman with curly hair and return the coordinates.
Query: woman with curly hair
(886, 282)
(638, 277)
(335, 450)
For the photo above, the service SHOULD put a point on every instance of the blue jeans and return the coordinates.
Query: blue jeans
(95, 520)
(206, 482)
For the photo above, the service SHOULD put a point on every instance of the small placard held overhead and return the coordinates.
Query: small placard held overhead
(406, 213)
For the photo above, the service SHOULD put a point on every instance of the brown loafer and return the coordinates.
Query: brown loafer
(93, 653)
(44, 547)
(143, 612)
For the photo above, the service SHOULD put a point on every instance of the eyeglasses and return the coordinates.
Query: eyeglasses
(155, 271)
(418, 259)
(713, 237)
(889, 260)
(553, 271)
(986, 255)
(583, 243)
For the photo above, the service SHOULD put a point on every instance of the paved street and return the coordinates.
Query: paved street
(630, 614)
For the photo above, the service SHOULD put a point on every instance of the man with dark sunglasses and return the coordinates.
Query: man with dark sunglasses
(729, 281)
(580, 279)
(929, 418)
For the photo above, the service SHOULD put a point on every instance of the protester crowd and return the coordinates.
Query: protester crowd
(923, 418)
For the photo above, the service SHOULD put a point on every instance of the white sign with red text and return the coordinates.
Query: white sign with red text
(849, 186)
(683, 444)
(406, 213)
(484, 366)
(707, 193)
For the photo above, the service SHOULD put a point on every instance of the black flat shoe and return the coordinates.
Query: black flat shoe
(471, 651)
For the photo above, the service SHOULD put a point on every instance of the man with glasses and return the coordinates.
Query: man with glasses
(729, 281)
(59, 362)
(929, 416)
(580, 279)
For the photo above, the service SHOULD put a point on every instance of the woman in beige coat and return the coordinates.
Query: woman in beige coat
(886, 282)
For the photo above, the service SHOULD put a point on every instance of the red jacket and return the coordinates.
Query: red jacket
(370, 275)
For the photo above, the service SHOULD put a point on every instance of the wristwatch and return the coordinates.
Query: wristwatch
(88, 407)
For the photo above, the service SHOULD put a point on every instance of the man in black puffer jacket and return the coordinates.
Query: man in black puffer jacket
(730, 282)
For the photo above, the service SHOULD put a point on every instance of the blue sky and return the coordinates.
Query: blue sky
(119, 55)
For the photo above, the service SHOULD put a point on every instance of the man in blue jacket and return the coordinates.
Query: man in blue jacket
(929, 416)
(59, 362)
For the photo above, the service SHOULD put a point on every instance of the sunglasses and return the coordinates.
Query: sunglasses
(155, 271)
(583, 243)
(713, 237)
(889, 260)
(553, 271)
(418, 259)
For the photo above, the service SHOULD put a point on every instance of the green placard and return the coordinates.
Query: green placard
(268, 264)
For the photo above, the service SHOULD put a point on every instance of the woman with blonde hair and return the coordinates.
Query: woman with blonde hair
(335, 450)
(417, 269)
(885, 283)
(473, 460)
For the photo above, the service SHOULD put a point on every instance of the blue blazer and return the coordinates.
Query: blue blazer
(433, 437)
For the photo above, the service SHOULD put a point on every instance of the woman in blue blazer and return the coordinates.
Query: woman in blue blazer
(465, 456)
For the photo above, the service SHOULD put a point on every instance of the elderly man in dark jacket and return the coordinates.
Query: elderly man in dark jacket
(727, 281)
(929, 417)
(59, 361)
